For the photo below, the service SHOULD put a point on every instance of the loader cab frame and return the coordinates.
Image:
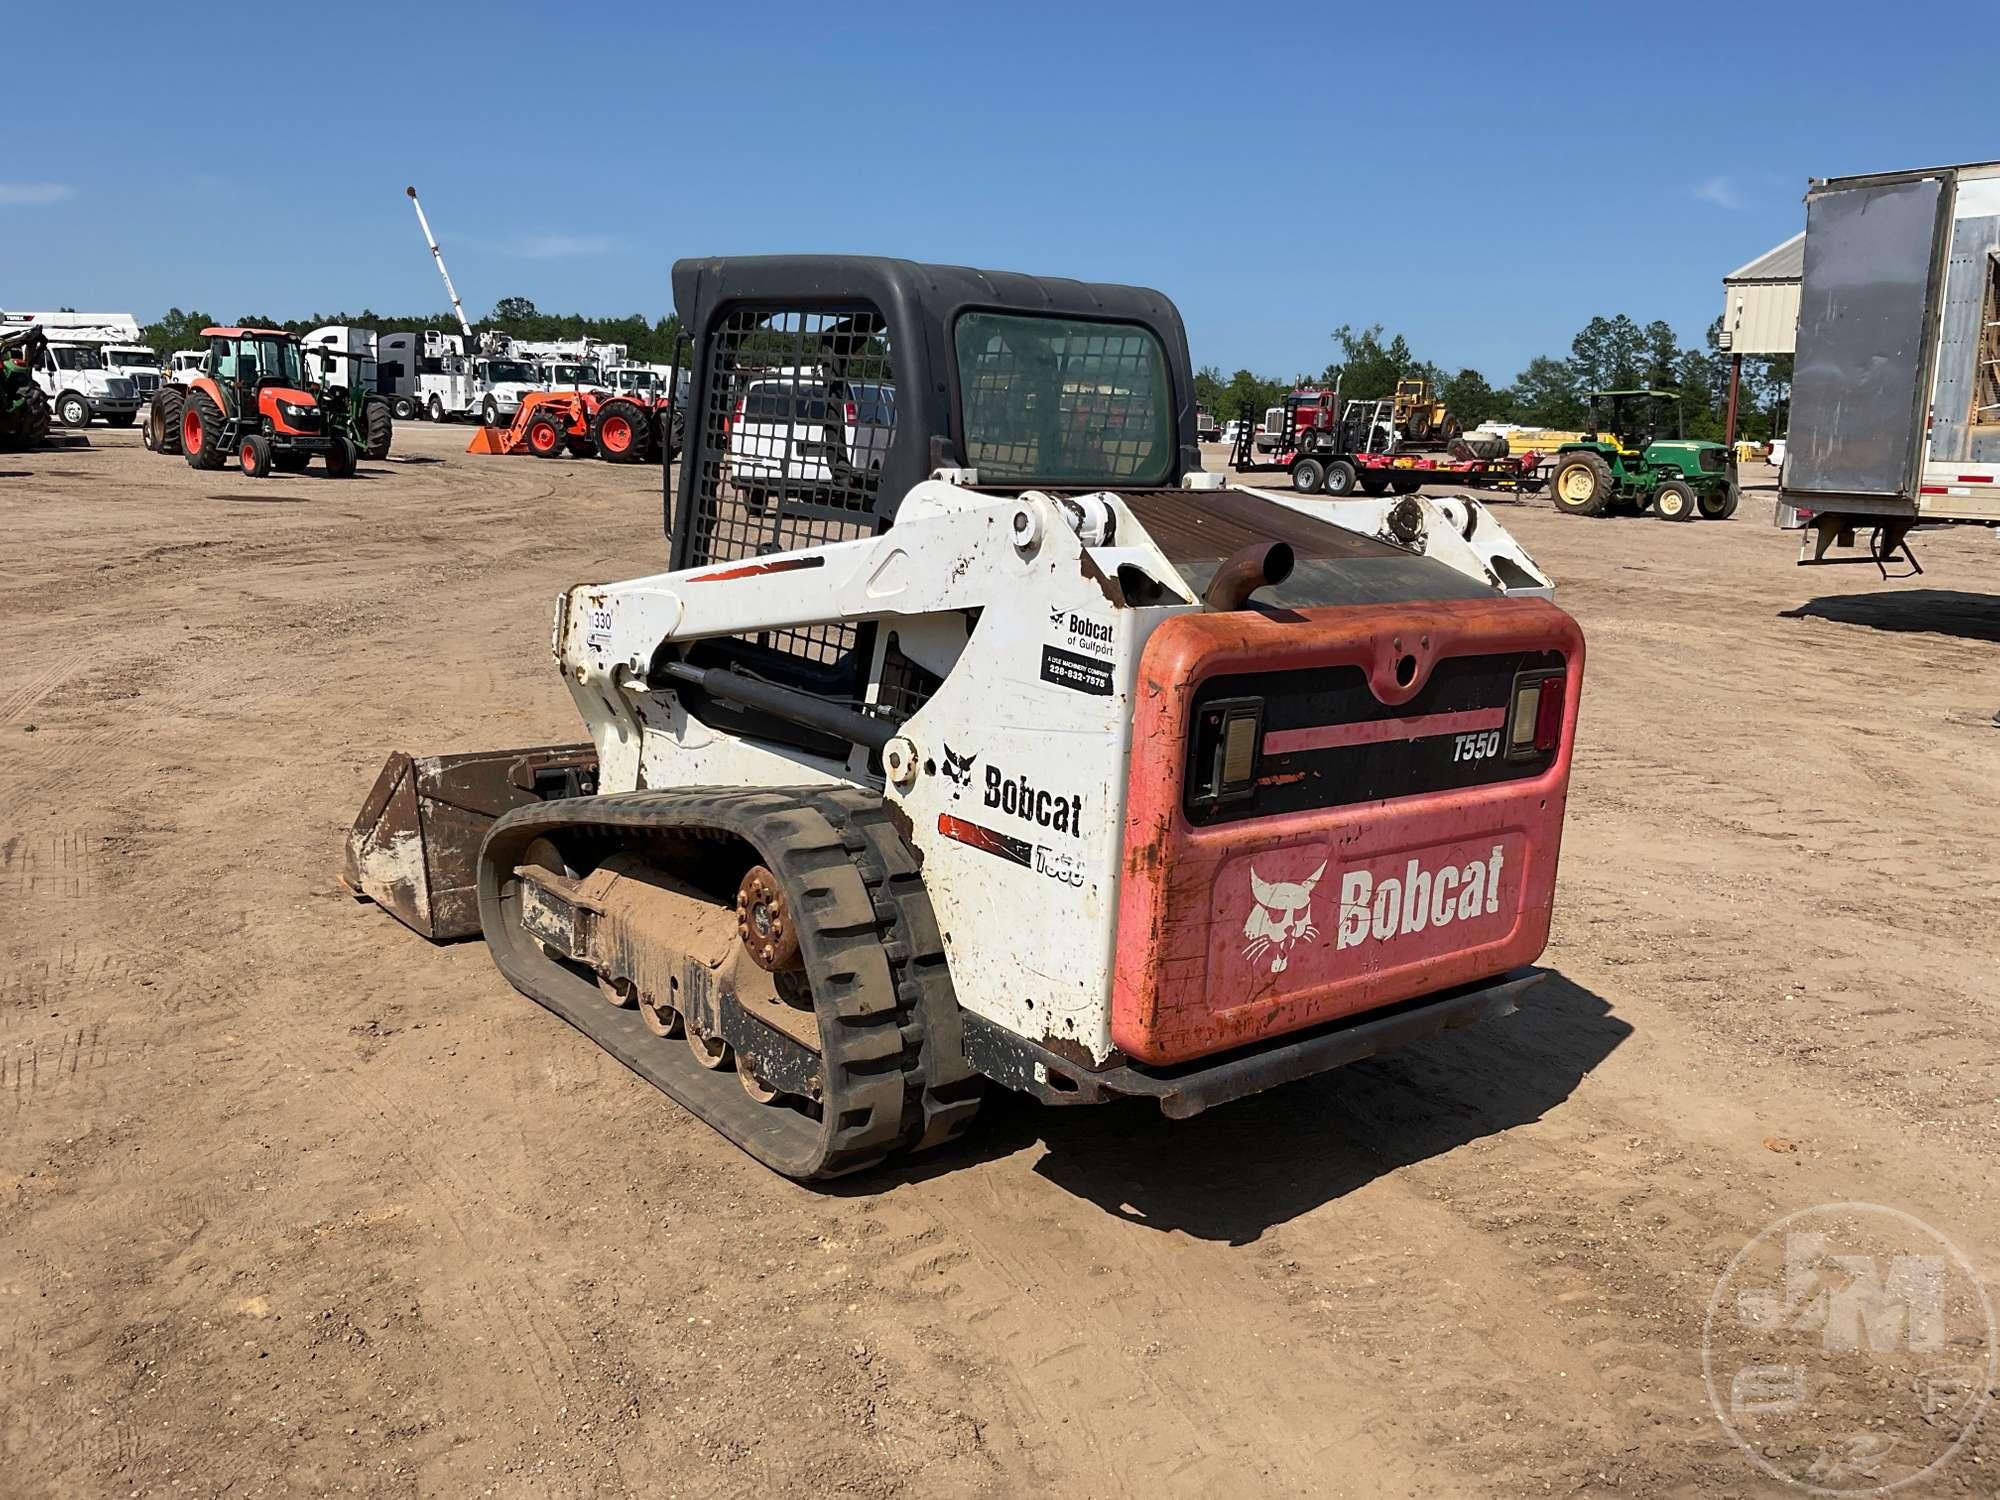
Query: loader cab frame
(1032, 382)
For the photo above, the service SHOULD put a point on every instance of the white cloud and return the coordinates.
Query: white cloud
(35, 192)
(1720, 191)
(560, 246)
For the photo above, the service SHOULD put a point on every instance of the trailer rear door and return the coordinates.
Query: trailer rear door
(1865, 336)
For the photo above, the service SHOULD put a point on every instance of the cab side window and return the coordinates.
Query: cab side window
(222, 359)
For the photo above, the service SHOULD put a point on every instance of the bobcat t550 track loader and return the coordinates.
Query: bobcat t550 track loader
(975, 733)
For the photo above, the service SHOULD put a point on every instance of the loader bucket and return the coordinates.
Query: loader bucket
(488, 440)
(414, 850)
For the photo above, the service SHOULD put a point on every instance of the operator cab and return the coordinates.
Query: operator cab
(254, 357)
(1636, 419)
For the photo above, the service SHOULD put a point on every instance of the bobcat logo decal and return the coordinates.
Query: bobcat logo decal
(1280, 919)
(958, 767)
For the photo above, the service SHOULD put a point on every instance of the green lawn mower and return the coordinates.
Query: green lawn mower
(1637, 456)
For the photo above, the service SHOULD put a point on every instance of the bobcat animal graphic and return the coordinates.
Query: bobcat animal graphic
(958, 767)
(1281, 918)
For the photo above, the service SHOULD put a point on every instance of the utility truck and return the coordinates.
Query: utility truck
(1029, 755)
(73, 370)
(1896, 390)
(427, 373)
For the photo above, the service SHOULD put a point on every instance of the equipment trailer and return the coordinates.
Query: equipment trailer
(1031, 754)
(1333, 448)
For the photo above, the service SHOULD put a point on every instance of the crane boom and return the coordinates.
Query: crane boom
(438, 256)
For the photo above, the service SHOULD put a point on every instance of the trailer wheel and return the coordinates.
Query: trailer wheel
(1340, 478)
(1674, 501)
(1308, 475)
(1719, 507)
(255, 452)
(1405, 484)
(1581, 484)
(1373, 484)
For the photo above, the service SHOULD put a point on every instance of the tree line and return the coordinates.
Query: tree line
(1606, 354)
(649, 341)
(1616, 353)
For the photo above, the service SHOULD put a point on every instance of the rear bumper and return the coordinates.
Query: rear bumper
(1189, 1089)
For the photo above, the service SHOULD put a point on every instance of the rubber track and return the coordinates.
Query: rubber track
(892, 1056)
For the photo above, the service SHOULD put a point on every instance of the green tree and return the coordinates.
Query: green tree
(176, 330)
(1662, 353)
(1208, 389)
(1368, 368)
(1608, 355)
(1470, 398)
(1544, 394)
(1247, 396)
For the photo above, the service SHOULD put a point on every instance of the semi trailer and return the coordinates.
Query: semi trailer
(1896, 391)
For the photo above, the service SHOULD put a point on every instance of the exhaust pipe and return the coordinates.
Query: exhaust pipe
(1256, 566)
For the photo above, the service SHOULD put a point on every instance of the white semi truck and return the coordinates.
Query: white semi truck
(1896, 395)
(93, 365)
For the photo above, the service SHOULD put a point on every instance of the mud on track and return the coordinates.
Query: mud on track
(292, 1203)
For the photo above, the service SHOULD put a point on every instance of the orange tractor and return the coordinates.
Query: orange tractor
(254, 400)
(618, 429)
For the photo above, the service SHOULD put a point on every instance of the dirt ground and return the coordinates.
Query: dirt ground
(293, 1203)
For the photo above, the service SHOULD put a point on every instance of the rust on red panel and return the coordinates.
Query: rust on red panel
(1240, 931)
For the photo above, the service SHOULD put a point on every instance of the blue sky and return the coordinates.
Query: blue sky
(1483, 178)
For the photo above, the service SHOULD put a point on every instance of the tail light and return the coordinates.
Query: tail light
(850, 414)
(1227, 735)
(732, 419)
(1535, 718)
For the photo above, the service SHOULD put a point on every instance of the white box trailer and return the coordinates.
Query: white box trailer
(1896, 391)
(94, 365)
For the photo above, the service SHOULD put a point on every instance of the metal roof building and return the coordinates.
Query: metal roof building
(1760, 301)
